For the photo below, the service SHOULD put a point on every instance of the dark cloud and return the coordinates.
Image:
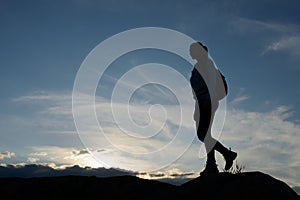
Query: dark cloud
(182, 174)
(157, 175)
(174, 175)
(80, 152)
(142, 173)
(85, 151)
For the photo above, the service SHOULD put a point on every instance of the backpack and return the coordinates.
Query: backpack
(221, 89)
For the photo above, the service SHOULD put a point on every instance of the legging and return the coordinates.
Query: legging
(203, 116)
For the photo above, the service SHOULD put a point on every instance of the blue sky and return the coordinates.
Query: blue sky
(256, 44)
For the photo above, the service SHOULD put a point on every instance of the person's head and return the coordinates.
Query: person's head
(198, 51)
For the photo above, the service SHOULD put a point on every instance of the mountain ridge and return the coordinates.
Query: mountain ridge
(247, 185)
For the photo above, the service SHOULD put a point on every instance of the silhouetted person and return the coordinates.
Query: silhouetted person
(206, 106)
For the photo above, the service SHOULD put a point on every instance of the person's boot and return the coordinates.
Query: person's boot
(210, 168)
(229, 157)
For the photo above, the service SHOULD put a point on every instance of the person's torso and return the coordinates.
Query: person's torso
(200, 89)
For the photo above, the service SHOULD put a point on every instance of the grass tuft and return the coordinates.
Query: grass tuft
(236, 168)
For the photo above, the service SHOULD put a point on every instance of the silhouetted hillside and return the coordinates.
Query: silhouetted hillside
(297, 189)
(34, 170)
(250, 185)
(243, 186)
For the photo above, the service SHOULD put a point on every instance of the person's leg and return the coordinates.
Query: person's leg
(207, 113)
(203, 118)
(228, 155)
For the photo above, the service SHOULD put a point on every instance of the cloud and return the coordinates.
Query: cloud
(6, 154)
(240, 97)
(80, 152)
(244, 25)
(51, 169)
(42, 96)
(276, 37)
(172, 175)
(39, 154)
(266, 141)
(114, 144)
(32, 159)
(288, 44)
(62, 156)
